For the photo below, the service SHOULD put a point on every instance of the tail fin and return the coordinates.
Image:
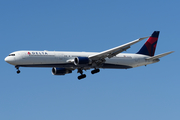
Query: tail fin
(150, 46)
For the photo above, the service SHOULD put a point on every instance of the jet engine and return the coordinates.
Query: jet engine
(82, 61)
(60, 71)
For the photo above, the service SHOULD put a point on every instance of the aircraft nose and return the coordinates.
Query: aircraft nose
(9, 59)
(6, 59)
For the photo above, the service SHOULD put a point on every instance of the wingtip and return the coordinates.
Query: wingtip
(171, 51)
(144, 38)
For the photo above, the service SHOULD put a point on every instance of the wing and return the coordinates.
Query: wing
(114, 51)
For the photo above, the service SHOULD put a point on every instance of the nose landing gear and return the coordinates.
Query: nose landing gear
(18, 71)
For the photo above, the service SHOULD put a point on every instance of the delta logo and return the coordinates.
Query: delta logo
(37, 53)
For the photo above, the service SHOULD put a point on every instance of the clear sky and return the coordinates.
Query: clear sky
(143, 93)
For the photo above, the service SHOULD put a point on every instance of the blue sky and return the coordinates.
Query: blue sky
(150, 92)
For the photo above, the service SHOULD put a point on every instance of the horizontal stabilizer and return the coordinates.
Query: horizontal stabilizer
(159, 56)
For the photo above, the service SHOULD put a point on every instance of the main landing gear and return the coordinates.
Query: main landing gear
(95, 71)
(82, 75)
(18, 71)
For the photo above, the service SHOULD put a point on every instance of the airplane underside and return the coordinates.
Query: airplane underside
(68, 67)
(71, 65)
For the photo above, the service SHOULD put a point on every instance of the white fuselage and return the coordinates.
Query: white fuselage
(65, 59)
(63, 62)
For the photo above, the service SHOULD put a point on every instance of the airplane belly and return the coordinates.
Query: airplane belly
(119, 62)
(140, 61)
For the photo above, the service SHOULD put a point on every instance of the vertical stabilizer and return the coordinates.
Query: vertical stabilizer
(150, 46)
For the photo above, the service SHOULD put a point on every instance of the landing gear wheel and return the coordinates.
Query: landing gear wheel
(81, 76)
(95, 71)
(18, 71)
(80, 70)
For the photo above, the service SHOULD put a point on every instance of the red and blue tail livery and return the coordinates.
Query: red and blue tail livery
(150, 46)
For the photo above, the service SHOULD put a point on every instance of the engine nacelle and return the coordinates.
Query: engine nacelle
(60, 71)
(82, 61)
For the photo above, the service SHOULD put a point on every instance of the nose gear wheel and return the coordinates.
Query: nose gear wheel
(18, 71)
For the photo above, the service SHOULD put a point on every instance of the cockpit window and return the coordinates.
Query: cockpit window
(11, 54)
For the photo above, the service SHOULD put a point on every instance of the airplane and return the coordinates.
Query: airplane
(63, 62)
